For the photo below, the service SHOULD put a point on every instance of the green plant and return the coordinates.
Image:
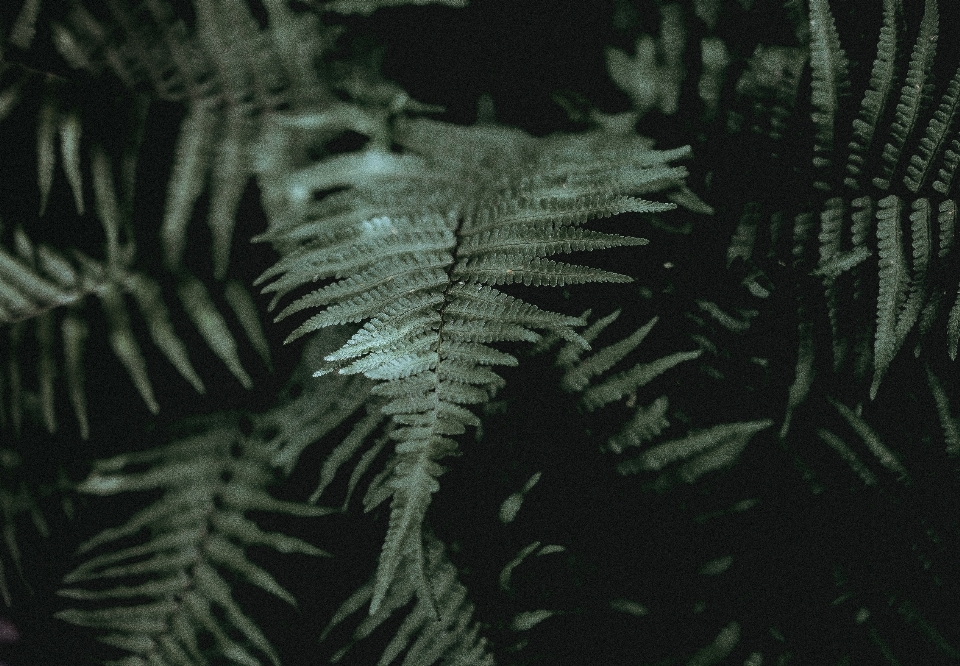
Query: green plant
(721, 455)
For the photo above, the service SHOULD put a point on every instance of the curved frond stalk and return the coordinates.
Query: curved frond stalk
(199, 531)
(490, 205)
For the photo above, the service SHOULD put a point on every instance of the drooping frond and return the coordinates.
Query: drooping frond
(153, 600)
(413, 245)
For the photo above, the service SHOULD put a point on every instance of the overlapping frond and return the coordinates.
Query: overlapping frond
(153, 600)
(414, 244)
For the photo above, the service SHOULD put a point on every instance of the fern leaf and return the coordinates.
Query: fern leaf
(803, 375)
(198, 531)
(951, 158)
(884, 455)
(920, 232)
(25, 292)
(953, 328)
(528, 241)
(951, 433)
(46, 147)
(647, 422)
(229, 176)
(577, 378)
(913, 94)
(69, 129)
(877, 94)
(413, 482)
(245, 310)
(828, 63)
(486, 213)
(500, 269)
(625, 382)
(660, 456)
(74, 337)
(570, 353)
(849, 456)
(211, 325)
(894, 279)
(40, 281)
(193, 153)
(124, 345)
(25, 27)
(938, 128)
(831, 227)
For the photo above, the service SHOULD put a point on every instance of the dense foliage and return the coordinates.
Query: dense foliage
(291, 371)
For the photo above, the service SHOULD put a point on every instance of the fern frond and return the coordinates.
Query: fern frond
(875, 97)
(934, 140)
(646, 423)
(198, 532)
(884, 455)
(829, 67)
(914, 93)
(498, 203)
(578, 377)
(894, 279)
(623, 383)
(707, 449)
(230, 72)
(951, 434)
